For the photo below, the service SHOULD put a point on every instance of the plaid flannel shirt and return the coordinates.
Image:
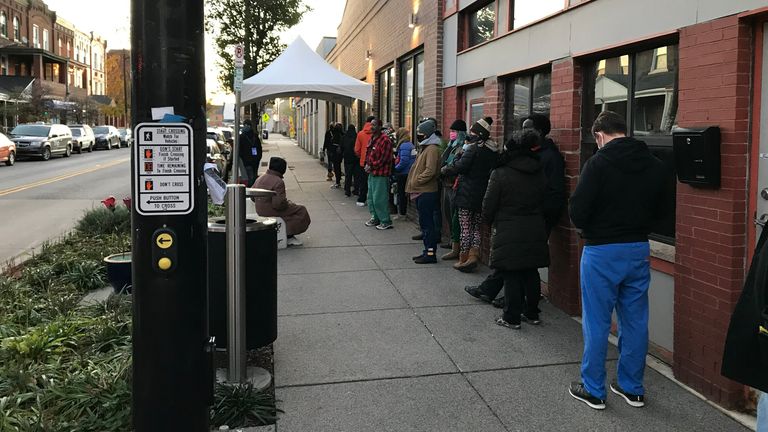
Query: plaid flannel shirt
(380, 156)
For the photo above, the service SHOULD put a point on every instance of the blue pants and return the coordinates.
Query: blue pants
(427, 204)
(615, 276)
(762, 412)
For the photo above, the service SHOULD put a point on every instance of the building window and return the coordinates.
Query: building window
(16, 29)
(60, 46)
(46, 46)
(3, 24)
(481, 24)
(524, 12)
(526, 94)
(3, 65)
(411, 90)
(386, 95)
(642, 86)
(69, 50)
(35, 36)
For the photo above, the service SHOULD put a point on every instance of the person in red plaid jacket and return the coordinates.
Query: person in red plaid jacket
(378, 165)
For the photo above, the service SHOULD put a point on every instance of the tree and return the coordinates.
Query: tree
(254, 23)
(119, 63)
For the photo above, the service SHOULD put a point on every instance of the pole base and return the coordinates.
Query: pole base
(259, 378)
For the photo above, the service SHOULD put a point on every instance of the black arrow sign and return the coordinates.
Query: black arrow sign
(164, 241)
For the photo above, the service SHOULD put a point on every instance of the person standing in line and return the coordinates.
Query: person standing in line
(336, 153)
(327, 144)
(614, 206)
(422, 184)
(513, 206)
(250, 151)
(351, 163)
(405, 155)
(474, 169)
(361, 148)
(457, 136)
(378, 165)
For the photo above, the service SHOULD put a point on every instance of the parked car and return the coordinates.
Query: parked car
(107, 137)
(82, 138)
(42, 140)
(126, 137)
(217, 156)
(7, 150)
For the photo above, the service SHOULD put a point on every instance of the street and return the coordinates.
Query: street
(43, 200)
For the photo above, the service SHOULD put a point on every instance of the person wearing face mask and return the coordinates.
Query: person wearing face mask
(422, 185)
(474, 169)
(250, 151)
(405, 154)
(378, 165)
(615, 204)
(457, 136)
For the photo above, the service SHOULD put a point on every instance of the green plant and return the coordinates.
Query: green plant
(215, 210)
(101, 221)
(242, 405)
(86, 276)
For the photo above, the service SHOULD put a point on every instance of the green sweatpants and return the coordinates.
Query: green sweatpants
(378, 198)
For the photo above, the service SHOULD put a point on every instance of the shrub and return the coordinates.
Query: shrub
(242, 405)
(102, 221)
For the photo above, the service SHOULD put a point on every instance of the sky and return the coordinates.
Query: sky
(111, 19)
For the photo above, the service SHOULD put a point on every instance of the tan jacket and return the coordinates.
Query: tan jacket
(426, 170)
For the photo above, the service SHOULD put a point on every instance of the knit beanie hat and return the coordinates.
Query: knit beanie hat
(459, 126)
(427, 127)
(278, 164)
(482, 128)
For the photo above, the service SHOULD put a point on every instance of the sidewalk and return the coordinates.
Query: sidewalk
(369, 341)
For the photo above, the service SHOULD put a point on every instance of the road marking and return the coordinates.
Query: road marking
(39, 183)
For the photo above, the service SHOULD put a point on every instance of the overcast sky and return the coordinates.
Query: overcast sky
(111, 19)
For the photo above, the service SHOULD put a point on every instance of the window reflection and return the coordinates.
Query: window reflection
(655, 97)
(481, 24)
(611, 85)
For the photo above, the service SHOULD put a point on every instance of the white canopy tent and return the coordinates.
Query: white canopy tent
(301, 72)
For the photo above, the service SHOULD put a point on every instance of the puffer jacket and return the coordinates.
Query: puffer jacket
(473, 168)
(513, 204)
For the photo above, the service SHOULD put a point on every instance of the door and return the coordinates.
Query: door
(758, 200)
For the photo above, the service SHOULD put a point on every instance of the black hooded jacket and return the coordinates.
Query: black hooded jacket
(554, 168)
(618, 197)
(348, 144)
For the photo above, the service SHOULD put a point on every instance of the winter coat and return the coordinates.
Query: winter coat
(296, 216)
(361, 144)
(328, 141)
(617, 199)
(513, 204)
(449, 156)
(426, 170)
(348, 145)
(554, 168)
(249, 142)
(745, 357)
(404, 158)
(474, 168)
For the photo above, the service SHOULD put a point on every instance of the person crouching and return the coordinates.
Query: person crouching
(296, 216)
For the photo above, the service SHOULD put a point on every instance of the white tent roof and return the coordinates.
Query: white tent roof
(300, 72)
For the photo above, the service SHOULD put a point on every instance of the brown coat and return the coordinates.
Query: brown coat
(295, 216)
(425, 171)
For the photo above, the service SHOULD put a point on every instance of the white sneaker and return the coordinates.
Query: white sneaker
(293, 241)
(359, 204)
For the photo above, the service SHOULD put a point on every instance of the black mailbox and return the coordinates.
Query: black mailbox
(697, 155)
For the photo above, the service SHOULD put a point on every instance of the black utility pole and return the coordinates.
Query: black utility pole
(172, 374)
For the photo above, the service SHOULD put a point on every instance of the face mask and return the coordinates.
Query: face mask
(453, 135)
(420, 137)
(465, 147)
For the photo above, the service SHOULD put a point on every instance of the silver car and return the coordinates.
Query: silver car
(42, 140)
(82, 138)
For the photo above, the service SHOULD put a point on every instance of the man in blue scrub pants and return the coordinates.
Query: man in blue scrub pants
(614, 206)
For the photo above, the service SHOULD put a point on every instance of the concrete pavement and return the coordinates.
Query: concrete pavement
(369, 341)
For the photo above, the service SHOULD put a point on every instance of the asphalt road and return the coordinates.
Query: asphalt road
(43, 200)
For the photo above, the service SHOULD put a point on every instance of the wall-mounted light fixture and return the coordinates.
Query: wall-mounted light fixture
(412, 21)
(368, 55)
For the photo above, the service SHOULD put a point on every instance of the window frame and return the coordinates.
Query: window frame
(657, 143)
(401, 88)
(510, 79)
(46, 40)
(384, 76)
(16, 29)
(4, 24)
(35, 36)
(466, 18)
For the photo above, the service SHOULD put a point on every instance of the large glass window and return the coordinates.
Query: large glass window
(481, 24)
(386, 94)
(642, 86)
(46, 45)
(16, 28)
(419, 106)
(525, 12)
(3, 24)
(36, 36)
(406, 93)
(526, 94)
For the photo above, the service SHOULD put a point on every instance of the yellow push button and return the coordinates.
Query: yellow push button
(164, 264)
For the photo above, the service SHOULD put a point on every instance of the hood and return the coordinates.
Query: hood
(28, 138)
(492, 145)
(102, 135)
(527, 163)
(432, 140)
(367, 129)
(628, 154)
(546, 143)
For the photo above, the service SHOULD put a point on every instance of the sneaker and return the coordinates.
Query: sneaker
(399, 217)
(531, 321)
(360, 204)
(384, 226)
(372, 222)
(504, 323)
(335, 186)
(578, 392)
(293, 241)
(475, 292)
(498, 302)
(637, 401)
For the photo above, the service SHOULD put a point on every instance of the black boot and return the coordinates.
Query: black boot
(428, 257)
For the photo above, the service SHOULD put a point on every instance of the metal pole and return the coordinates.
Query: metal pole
(236, 147)
(236, 283)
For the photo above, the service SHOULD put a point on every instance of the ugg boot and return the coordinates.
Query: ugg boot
(472, 260)
(462, 259)
(453, 254)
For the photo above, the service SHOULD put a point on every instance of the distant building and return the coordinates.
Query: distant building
(215, 115)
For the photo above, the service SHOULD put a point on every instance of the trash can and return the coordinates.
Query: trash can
(265, 134)
(260, 281)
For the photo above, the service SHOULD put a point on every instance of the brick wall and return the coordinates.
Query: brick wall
(564, 245)
(715, 60)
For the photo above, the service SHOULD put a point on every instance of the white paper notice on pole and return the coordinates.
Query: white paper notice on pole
(238, 85)
(159, 113)
(163, 169)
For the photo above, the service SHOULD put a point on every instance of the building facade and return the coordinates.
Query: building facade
(692, 65)
(98, 58)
